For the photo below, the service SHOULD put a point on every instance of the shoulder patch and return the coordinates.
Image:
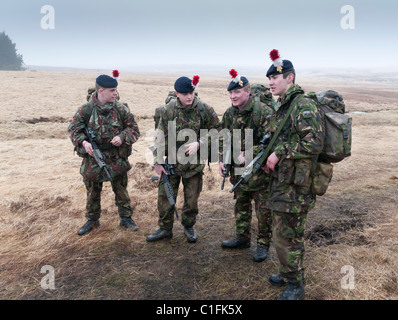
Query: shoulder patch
(306, 113)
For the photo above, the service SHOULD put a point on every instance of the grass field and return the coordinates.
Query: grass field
(42, 203)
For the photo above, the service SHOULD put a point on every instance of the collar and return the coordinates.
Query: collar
(192, 106)
(290, 94)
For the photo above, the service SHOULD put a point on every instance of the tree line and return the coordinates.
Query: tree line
(9, 58)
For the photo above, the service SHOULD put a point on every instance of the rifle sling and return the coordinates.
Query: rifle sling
(279, 129)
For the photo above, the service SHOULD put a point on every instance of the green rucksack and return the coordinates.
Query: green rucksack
(337, 141)
(262, 94)
(338, 126)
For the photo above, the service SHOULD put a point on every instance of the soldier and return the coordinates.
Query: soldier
(291, 164)
(186, 111)
(115, 131)
(247, 112)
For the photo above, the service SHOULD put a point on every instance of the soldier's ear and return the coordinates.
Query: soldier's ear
(290, 78)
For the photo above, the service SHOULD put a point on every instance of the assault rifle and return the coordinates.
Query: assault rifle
(167, 185)
(98, 156)
(266, 142)
(256, 164)
(227, 166)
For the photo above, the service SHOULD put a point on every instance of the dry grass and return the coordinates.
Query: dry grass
(43, 198)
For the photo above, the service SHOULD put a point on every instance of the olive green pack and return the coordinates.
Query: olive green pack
(337, 141)
(338, 126)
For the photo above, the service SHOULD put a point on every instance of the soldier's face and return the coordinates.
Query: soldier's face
(279, 85)
(186, 98)
(107, 95)
(239, 97)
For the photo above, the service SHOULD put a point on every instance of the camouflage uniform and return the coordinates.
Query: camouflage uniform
(297, 148)
(190, 117)
(255, 117)
(107, 122)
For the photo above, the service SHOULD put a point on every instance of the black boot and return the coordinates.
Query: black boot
(276, 280)
(261, 254)
(235, 244)
(294, 291)
(190, 234)
(88, 226)
(160, 234)
(127, 222)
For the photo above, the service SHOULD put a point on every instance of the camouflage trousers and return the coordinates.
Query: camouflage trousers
(288, 240)
(122, 199)
(243, 215)
(192, 187)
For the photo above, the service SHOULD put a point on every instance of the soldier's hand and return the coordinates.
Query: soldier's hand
(271, 162)
(192, 148)
(88, 147)
(159, 170)
(116, 141)
(221, 168)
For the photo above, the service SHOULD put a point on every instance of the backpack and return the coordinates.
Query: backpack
(337, 124)
(337, 143)
(262, 94)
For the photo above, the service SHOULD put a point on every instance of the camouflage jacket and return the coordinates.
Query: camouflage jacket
(107, 122)
(297, 147)
(181, 117)
(254, 117)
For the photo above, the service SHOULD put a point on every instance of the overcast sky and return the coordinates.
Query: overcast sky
(124, 34)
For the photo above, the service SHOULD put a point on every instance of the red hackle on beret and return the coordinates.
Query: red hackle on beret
(233, 73)
(195, 80)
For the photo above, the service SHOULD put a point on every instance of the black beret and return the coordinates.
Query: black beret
(287, 66)
(105, 81)
(183, 85)
(238, 85)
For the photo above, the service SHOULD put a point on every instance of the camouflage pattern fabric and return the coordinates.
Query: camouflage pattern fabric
(192, 188)
(156, 117)
(243, 215)
(255, 117)
(288, 239)
(122, 199)
(297, 147)
(186, 118)
(107, 122)
(190, 174)
(263, 94)
(158, 111)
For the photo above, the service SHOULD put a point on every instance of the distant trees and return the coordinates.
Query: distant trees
(9, 58)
